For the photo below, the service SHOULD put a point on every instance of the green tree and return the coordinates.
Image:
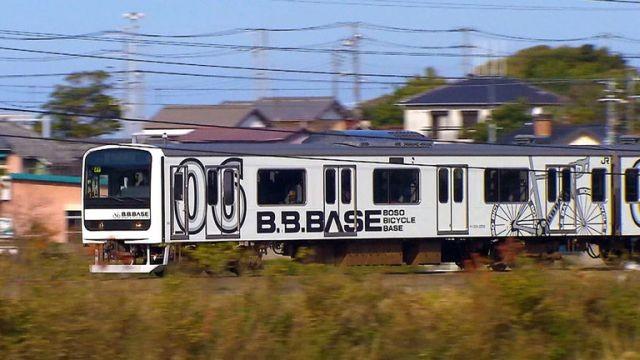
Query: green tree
(507, 118)
(84, 93)
(580, 66)
(383, 111)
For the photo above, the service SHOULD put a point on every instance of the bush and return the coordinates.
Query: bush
(51, 308)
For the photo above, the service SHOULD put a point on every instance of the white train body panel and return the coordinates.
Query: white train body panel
(429, 218)
(446, 196)
(629, 206)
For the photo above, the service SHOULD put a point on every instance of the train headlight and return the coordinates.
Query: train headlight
(137, 225)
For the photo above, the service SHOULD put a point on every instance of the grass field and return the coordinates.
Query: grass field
(50, 307)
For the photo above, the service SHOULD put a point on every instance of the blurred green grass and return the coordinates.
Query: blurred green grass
(51, 307)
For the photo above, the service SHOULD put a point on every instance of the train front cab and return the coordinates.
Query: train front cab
(122, 202)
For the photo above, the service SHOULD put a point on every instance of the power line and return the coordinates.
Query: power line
(459, 6)
(298, 157)
(228, 67)
(256, 48)
(335, 134)
(620, 1)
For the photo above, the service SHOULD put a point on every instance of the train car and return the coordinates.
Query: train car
(384, 202)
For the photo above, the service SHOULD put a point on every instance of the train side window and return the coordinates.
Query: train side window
(458, 185)
(178, 186)
(281, 187)
(552, 185)
(330, 186)
(228, 187)
(631, 185)
(491, 183)
(506, 185)
(212, 187)
(345, 186)
(396, 186)
(565, 192)
(443, 185)
(598, 185)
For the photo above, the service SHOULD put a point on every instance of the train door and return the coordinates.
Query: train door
(340, 200)
(179, 206)
(560, 202)
(223, 202)
(453, 203)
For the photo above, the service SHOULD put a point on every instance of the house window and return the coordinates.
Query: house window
(281, 187)
(396, 186)
(469, 119)
(73, 219)
(33, 166)
(437, 119)
(506, 185)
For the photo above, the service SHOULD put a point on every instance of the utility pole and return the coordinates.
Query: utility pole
(492, 127)
(466, 51)
(260, 58)
(134, 97)
(611, 99)
(631, 102)
(336, 64)
(354, 43)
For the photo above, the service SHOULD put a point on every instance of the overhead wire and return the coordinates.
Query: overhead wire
(261, 154)
(457, 6)
(322, 133)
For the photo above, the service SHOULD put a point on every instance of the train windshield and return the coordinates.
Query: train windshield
(117, 178)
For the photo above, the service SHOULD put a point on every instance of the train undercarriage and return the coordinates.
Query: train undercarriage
(497, 254)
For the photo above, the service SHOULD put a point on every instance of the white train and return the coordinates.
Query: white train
(378, 202)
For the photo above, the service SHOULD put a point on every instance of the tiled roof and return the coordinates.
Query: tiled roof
(237, 135)
(57, 153)
(484, 90)
(560, 133)
(223, 115)
(299, 108)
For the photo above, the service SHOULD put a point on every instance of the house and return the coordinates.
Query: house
(41, 182)
(178, 120)
(544, 131)
(443, 112)
(291, 113)
(24, 152)
(54, 201)
(311, 113)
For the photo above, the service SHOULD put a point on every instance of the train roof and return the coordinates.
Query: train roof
(389, 149)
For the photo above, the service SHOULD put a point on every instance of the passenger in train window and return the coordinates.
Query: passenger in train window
(409, 194)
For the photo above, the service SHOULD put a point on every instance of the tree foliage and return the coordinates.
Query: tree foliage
(580, 66)
(84, 93)
(383, 111)
(507, 118)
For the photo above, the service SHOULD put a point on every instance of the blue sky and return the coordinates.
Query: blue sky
(575, 19)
